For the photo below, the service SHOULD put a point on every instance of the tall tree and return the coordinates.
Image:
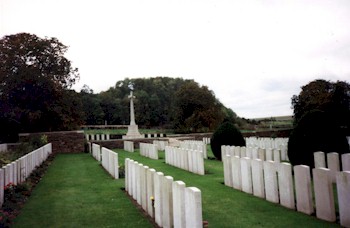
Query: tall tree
(332, 98)
(197, 108)
(34, 80)
(91, 106)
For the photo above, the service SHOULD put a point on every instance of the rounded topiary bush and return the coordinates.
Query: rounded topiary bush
(226, 134)
(316, 131)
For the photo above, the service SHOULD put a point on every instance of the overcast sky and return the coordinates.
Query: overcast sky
(254, 55)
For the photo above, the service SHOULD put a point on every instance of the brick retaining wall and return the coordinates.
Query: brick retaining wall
(62, 141)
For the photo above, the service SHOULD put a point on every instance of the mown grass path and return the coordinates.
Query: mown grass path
(77, 192)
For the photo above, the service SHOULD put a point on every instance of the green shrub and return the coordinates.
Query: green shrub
(316, 131)
(226, 134)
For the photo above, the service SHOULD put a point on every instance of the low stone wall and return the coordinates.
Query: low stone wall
(62, 141)
(270, 134)
(119, 143)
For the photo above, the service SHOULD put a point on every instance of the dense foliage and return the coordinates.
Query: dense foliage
(316, 131)
(172, 103)
(332, 98)
(35, 78)
(321, 121)
(226, 134)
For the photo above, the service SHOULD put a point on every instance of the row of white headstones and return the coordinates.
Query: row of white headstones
(189, 155)
(258, 170)
(108, 159)
(106, 137)
(273, 181)
(160, 196)
(159, 145)
(169, 202)
(19, 170)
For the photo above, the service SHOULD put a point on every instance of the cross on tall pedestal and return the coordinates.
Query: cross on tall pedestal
(133, 130)
(132, 114)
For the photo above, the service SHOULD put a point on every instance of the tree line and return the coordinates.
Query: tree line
(164, 102)
(36, 96)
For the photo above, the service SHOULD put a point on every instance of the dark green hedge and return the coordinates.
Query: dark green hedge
(226, 134)
(316, 131)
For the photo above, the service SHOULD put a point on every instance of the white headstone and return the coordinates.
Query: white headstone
(150, 190)
(227, 164)
(343, 190)
(236, 173)
(324, 199)
(271, 185)
(127, 178)
(158, 198)
(277, 155)
(167, 194)
(258, 178)
(143, 177)
(320, 160)
(193, 207)
(286, 187)
(179, 204)
(138, 183)
(2, 186)
(333, 164)
(345, 159)
(261, 154)
(303, 189)
(269, 154)
(246, 172)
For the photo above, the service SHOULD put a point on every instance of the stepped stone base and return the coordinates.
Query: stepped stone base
(133, 133)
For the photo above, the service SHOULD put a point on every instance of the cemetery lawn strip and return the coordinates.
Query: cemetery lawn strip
(77, 192)
(224, 206)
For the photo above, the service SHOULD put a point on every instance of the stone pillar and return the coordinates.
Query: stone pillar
(133, 130)
(132, 113)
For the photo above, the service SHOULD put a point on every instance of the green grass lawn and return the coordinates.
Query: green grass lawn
(76, 192)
